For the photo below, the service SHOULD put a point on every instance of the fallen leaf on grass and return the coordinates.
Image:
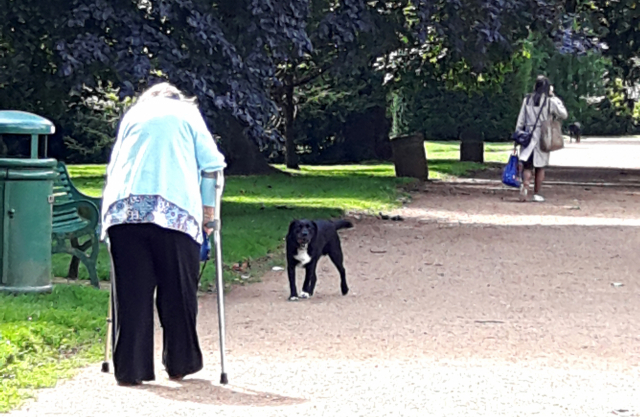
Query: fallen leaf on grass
(240, 267)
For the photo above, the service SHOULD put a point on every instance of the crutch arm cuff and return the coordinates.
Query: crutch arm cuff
(211, 185)
(208, 191)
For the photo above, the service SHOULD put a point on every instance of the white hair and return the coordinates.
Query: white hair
(165, 90)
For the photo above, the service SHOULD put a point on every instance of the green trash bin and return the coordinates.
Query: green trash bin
(26, 197)
(26, 200)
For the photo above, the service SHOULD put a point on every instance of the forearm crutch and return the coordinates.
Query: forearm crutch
(107, 343)
(217, 226)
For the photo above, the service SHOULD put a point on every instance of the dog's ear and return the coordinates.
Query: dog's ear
(292, 225)
(315, 228)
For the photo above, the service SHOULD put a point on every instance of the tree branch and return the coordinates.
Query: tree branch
(312, 77)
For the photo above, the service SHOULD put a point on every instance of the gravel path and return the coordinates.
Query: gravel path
(442, 320)
(349, 388)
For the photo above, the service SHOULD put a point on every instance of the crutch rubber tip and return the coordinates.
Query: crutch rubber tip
(223, 379)
(105, 367)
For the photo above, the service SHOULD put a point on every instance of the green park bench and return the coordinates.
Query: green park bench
(75, 216)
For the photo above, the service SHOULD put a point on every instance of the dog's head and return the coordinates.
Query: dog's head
(303, 231)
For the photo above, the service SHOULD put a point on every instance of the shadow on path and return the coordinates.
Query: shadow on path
(202, 391)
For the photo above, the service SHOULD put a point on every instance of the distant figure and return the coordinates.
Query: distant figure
(543, 103)
(574, 132)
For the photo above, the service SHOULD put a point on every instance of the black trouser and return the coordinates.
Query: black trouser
(146, 257)
(528, 164)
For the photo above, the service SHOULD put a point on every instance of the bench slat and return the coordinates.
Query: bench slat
(79, 221)
(61, 212)
(68, 228)
(60, 218)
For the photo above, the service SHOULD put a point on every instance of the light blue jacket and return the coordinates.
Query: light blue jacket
(162, 147)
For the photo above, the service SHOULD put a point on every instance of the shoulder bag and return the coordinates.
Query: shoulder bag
(523, 136)
(551, 139)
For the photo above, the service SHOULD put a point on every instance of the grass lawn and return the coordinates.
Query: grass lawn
(44, 337)
(444, 158)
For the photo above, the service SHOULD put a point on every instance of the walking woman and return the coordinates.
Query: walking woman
(532, 158)
(153, 215)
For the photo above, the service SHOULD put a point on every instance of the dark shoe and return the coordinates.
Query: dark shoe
(129, 383)
(176, 378)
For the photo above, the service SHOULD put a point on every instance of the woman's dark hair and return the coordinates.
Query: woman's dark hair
(543, 86)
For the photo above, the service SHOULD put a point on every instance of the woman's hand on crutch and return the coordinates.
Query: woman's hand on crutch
(211, 188)
(209, 217)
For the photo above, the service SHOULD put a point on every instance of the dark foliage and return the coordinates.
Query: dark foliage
(224, 53)
(246, 59)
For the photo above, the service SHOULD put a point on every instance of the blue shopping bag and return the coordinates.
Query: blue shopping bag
(510, 175)
(205, 249)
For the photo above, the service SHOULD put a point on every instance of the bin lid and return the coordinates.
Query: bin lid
(23, 163)
(28, 169)
(23, 123)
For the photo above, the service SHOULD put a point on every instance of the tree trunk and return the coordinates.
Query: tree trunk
(471, 146)
(242, 154)
(410, 157)
(289, 109)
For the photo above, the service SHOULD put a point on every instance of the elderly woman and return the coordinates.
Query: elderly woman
(153, 213)
(544, 104)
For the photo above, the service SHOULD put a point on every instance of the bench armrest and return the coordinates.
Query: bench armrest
(86, 209)
(77, 194)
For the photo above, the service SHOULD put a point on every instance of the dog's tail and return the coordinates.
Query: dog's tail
(342, 224)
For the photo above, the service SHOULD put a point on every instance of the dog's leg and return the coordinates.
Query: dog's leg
(305, 287)
(335, 254)
(312, 285)
(291, 270)
(309, 279)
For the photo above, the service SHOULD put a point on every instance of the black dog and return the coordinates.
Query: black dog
(574, 132)
(307, 241)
